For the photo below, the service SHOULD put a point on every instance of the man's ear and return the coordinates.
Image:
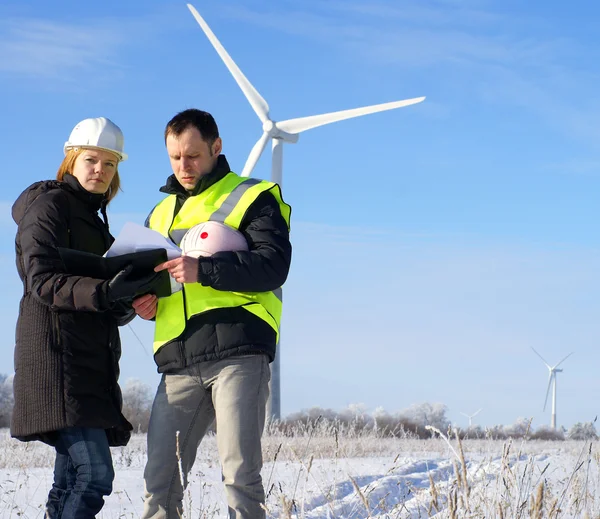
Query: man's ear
(217, 146)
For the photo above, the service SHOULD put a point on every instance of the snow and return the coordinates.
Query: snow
(326, 476)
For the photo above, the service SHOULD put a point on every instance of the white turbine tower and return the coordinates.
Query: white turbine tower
(552, 371)
(279, 132)
(471, 416)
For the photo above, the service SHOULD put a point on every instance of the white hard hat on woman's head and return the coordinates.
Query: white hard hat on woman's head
(98, 132)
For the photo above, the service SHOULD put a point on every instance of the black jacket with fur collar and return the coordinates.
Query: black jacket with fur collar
(67, 340)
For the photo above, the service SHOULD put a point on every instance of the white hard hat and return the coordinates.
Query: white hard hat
(207, 238)
(98, 132)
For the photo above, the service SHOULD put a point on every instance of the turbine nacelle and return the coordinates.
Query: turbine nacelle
(274, 132)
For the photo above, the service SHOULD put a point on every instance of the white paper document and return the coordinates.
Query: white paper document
(135, 238)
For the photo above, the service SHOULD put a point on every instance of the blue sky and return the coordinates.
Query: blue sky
(434, 245)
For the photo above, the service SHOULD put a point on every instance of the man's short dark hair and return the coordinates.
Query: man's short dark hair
(202, 121)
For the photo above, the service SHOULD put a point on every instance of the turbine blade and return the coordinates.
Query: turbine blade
(548, 390)
(257, 102)
(313, 121)
(547, 365)
(477, 412)
(563, 360)
(255, 154)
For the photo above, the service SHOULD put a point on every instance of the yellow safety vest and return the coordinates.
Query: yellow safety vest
(226, 201)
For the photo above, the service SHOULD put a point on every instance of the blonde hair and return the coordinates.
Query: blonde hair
(66, 166)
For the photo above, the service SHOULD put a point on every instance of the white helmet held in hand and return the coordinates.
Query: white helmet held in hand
(207, 238)
(100, 133)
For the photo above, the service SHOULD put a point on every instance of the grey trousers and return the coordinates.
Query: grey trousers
(233, 391)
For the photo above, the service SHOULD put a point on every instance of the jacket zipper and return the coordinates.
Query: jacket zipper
(56, 331)
(181, 341)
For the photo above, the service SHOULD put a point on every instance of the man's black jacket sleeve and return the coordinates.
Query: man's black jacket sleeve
(265, 266)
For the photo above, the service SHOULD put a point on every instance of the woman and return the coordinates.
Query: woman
(67, 339)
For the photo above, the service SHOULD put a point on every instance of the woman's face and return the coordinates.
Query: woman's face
(95, 169)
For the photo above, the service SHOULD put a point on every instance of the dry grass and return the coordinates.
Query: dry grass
(321, 472)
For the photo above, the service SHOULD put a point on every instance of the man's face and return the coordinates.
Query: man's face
(191, 157)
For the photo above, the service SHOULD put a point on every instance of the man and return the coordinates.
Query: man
(215, 338)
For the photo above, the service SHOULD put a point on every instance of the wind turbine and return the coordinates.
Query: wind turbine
(552, 371)
(471, 416)
(279, 132)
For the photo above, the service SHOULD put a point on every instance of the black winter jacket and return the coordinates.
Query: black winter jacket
(67, 340)
(224, 332)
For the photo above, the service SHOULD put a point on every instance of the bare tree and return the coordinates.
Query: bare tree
(427, 414)
(137, 404)
(6, 399)
(583, 431)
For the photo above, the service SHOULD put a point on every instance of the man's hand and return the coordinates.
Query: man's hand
(145, 306)
(182, 270)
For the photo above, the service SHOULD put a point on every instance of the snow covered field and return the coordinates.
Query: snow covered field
(322, 475)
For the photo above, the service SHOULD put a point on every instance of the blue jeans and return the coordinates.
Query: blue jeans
(83, 474)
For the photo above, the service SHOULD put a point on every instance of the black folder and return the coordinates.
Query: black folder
(87, 264)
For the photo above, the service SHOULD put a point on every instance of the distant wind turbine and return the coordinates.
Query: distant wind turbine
(279, 132)
(471, 416)
(552, 371)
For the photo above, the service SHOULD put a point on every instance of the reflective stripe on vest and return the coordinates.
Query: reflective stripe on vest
(226, 201)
